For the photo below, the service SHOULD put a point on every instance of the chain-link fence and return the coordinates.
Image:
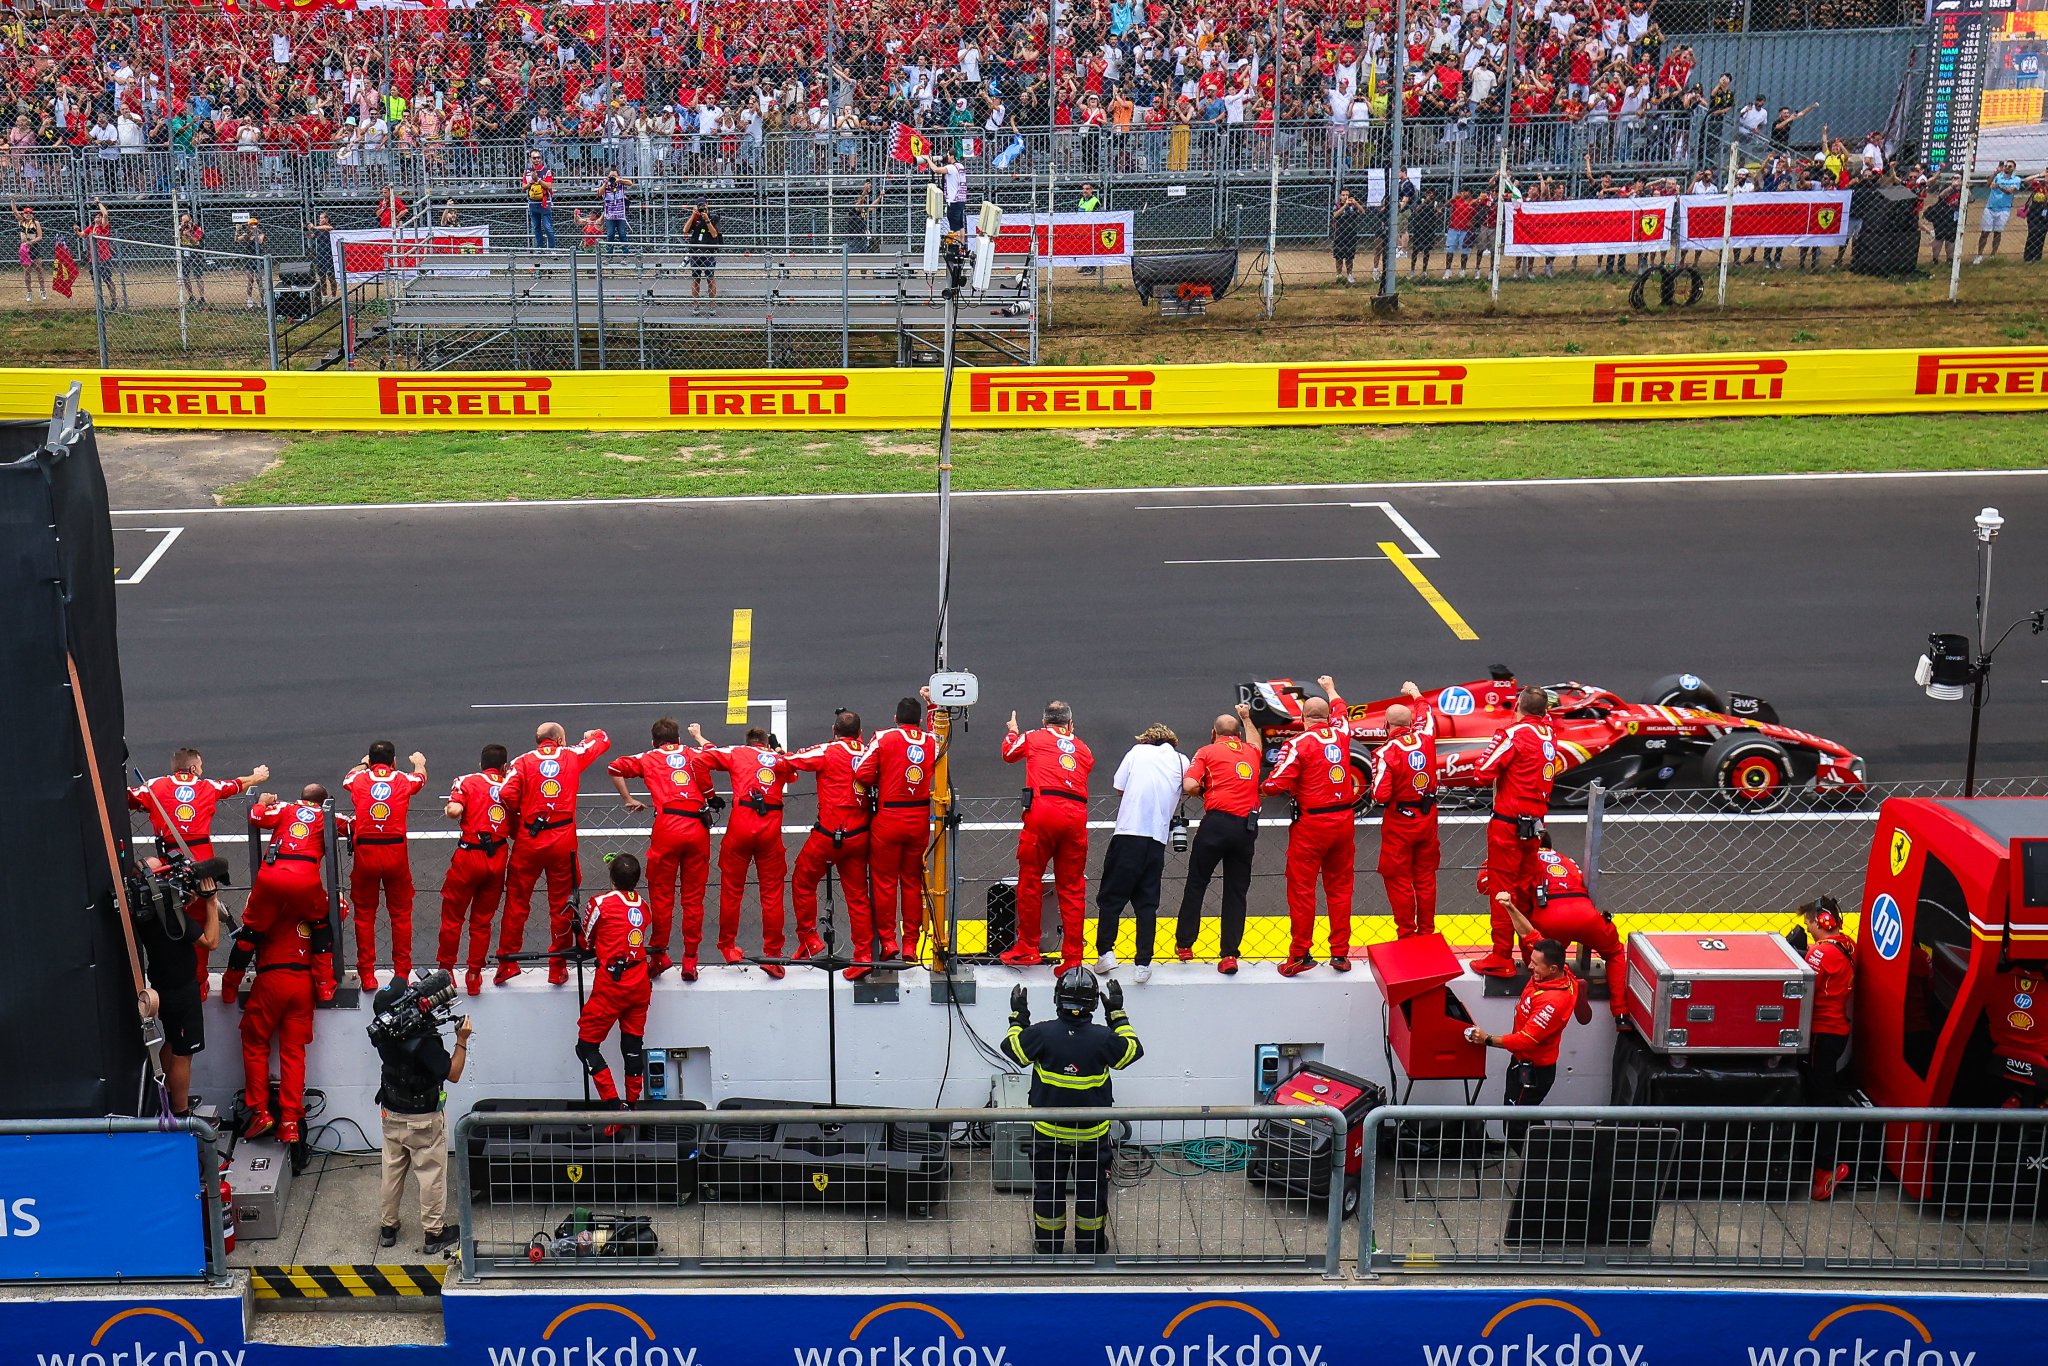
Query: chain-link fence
(1676, 860)
(1592, 166)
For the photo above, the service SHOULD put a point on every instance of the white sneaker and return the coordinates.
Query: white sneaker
(1106, 963)
(1447, 273)
(1143, 973)
(1977, 260)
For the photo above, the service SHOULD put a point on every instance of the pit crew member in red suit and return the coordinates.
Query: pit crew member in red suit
(1832, 956)
(540, 792)
(381, 863)
(1522, 763)
(679, 851)
(286, 931)
(838, 839)
(761, 773)
(898, 768)
(1314, 768)
(615, 929)
(1404, 785)
(1551, 1000)
(1056, 767)
(476, 874)
(1564, 911)
(181, 804)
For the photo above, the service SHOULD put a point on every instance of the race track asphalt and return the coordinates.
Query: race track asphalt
(296, 636)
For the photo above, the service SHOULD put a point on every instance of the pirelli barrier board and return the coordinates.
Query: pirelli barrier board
(1792, 383)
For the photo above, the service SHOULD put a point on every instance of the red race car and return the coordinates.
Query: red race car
(1685, 735)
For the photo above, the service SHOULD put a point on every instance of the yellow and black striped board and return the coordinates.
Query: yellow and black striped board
(329, 1281)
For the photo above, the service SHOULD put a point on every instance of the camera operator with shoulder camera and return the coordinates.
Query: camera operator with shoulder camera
(177, 912)
(416, 1070)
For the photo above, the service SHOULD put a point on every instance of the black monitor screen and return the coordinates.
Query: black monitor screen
(2034, 873)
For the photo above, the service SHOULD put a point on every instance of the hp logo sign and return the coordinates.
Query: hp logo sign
(1887, 927)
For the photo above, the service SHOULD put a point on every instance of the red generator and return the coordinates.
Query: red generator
(1426, 1022)
(1951, 962)
(1712, 994)
(1291, 1158)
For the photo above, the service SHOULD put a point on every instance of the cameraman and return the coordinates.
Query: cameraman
(415, 1069)
(171, 946)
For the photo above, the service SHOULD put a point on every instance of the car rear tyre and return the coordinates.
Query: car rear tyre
(1683, 690)
(1751, 773)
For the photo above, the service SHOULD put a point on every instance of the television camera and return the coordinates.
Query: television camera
(422, 1008)
(160, 888)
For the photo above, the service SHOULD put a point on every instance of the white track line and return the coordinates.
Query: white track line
(170, 533)
(717, 499)
(1423, 549)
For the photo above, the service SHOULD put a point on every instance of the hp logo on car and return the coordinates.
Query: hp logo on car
(1455, 702)
(1690, 682)
(1887, 927)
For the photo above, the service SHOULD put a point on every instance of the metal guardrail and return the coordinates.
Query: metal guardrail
(860, 1192)
(1705, 1190)
(208, 1174)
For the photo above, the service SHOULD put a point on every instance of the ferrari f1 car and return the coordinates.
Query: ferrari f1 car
(1684, 734)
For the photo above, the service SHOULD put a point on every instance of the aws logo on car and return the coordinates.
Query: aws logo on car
(1871, 1334)
(904, 1333)
(616, 1336)
(1538, 1332)
(1219, 1333)
(140, 1337)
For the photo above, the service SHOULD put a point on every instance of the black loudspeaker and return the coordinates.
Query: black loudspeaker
(1002, 917)
(902, 1166)
(1736, 1160)
(1889, 241)
(1586, 1185)
(294, 288)
(67, 1004)
(289, 272)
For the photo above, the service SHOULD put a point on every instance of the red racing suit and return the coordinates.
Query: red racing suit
(838, 840)
(1314, 768)
(476, 874)
(189, 801)
(285, 929)
(898, 768)
(679, 850)
(381, 863)
(615, 930)
(1564, 911)
(1056, 767)
(1522, 761)
(753, 836)
(540, 792)
(1404, 784)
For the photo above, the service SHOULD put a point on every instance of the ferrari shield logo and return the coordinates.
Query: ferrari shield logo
(819, 1181)
(574, 1171)
(1825, 219)
(1111, 238)
(1902, 850)
(1651, 224)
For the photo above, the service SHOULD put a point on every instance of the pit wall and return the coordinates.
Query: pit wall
(1178, 396)
(1061, 1325)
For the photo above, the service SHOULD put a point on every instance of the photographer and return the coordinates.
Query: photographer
(702, 232)
(415, 1069)
(1149, 783)
(172, 941)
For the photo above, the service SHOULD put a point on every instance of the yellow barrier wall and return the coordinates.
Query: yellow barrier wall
(1545, 389)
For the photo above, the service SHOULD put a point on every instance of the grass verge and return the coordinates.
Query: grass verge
(435, 467)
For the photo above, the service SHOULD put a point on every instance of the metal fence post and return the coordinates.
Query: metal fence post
(270, 307)
(575, 310)
(465, 1213)
(1333, 1250)
(598, 257)
(1596, 825)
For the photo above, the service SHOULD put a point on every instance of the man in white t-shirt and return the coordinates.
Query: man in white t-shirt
(1149, 782)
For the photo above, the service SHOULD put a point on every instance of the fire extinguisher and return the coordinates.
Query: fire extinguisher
(228, 1216)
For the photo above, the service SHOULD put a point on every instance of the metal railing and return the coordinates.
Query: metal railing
(1705, 1190)
(856, 1192)
(206, 1176)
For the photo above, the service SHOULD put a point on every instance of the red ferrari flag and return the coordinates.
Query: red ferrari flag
(1795, 218)
(906, 144)
(65, 273)
(526, 14)
(1588, 227)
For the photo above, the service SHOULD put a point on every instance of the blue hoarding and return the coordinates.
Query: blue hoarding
(100, 1206)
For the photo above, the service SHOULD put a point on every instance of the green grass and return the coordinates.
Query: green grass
(424, 467)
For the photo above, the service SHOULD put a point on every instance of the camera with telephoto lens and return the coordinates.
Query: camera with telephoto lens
(160, 888)
(1177, 832)
(422, 1009)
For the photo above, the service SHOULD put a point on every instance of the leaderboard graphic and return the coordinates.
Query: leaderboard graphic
(1168, 396)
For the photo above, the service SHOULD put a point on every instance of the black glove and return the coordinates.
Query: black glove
(1113, 996)
(1020, 1004)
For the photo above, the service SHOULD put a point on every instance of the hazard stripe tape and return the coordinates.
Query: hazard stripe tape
(331, 1281)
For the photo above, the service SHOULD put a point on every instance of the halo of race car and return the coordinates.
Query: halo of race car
(1684, 734)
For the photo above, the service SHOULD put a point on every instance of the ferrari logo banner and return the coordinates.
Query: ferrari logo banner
(1562, 388)
(1587, 227)
(1068, 239)
(1805, 218)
